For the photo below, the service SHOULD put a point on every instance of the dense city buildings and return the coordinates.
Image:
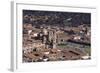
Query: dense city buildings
(56, 36)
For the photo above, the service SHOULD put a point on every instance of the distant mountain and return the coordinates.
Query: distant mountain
(56, 18)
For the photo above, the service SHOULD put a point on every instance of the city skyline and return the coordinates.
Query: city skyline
(56, 36)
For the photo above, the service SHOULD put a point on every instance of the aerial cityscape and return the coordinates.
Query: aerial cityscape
(55, 36)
